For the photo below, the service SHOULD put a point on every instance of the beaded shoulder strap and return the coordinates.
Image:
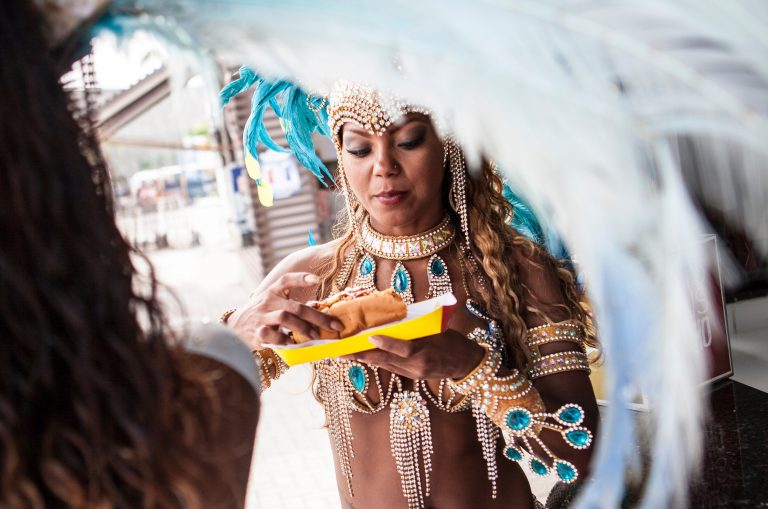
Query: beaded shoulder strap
(346, 270)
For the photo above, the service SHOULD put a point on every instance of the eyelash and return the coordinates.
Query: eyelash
(360, 153)
(407, 145)
(412, 143)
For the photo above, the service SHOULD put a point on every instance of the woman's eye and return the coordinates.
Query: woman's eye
(413, 143)
(361, 152)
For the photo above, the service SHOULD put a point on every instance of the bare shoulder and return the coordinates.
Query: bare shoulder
(308, 259)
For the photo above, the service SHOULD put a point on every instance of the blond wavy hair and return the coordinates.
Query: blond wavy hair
(524, 283)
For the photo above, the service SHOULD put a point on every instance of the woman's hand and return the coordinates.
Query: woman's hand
(446, 355)
(271, 314)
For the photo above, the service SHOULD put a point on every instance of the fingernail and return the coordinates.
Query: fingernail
(375, 340)
(311, 279)
(337, 326)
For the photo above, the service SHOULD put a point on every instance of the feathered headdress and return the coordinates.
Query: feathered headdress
(589, 103)
(300, 115)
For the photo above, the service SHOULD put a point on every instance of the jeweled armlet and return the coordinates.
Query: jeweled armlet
(271, 366)
(559, 362)
(514, 404)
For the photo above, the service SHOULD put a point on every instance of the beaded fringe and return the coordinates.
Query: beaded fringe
(410, 436)
(488, 434)
(333, 393)
(410, 427)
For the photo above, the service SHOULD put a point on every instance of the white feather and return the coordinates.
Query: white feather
(580, 102)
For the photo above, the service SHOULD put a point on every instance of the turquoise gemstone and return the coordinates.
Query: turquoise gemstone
(538, 467)
(570, 414)
(357, 377)
(565, 471)
(366, 267)
(513, 454)
(401, 281)
(437, 267)
(578, 437)
(518, 419)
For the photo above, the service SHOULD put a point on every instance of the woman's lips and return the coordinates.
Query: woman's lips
(390, 197)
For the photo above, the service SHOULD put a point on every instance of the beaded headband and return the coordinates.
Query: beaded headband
(372, 109)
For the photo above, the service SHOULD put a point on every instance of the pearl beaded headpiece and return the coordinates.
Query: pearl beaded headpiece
(370, 108)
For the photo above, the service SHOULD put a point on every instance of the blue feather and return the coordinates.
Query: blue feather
(244, 82)
(523, 218)
(266, 94)
(296, 113)
(525, 221)
(300, 122)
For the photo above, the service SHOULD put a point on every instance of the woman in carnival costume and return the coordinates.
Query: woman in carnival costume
(444, 420)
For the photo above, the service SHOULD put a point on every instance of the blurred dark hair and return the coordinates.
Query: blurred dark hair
(96, 408)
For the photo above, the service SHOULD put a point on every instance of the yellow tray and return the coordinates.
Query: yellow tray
(423, 319)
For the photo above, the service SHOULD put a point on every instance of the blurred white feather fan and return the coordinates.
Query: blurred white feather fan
(580, 102)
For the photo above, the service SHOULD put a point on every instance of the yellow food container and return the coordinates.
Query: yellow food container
(423, 319)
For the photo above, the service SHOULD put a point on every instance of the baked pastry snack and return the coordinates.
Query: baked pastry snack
(358, 309)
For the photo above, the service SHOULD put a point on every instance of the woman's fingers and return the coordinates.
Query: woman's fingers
(267, 335)
(286, 319)
(316, 318)
(398, 347)
(293, 280)
(280, 290)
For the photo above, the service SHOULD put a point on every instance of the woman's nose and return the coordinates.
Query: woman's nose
(385, 165)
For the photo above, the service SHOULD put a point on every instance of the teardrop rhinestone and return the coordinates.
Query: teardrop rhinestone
(437, 267)
(512, 453)
(366, 267)
(538, 467)
(570, 414)
(578, 437)
(400, 281)
(357, 377)
(565, 471)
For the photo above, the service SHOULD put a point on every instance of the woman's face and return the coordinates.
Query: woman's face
(398, 176)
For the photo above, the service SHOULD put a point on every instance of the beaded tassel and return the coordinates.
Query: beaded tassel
(488, 435)
(458, 194)
(410, 435)
(334, 394)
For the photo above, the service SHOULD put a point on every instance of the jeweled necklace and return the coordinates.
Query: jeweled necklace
(412, 247)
